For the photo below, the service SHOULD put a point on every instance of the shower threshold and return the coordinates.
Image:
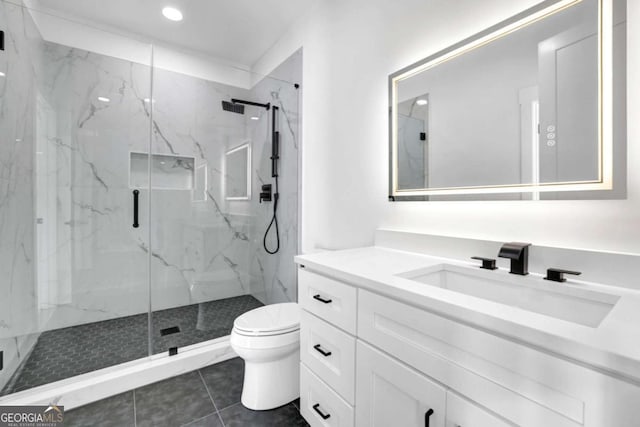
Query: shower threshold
(71, 351)
(93, 386)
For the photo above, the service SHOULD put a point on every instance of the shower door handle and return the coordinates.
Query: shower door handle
(136, 193)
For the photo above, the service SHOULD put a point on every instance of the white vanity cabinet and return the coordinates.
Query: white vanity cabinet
(327, 350)
(392, 394)
(393, 363)
(462, 413)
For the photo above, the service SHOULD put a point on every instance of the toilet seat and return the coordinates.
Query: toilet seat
(275, 319)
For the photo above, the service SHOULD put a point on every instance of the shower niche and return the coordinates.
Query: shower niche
(168, 171)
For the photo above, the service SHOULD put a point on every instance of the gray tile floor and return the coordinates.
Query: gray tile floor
(67, 352)
(208, 397)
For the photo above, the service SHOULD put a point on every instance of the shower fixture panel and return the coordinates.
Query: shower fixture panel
(275, 156)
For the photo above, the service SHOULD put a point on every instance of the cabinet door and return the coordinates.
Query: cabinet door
(392, 394)
(461, 413)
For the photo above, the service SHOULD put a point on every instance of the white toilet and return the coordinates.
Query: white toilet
(268, 339)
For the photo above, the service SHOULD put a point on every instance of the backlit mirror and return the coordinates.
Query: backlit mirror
(238, 173)
(523, 110)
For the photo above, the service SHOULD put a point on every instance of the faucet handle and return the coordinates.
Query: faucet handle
(487, 263)
(557, 274)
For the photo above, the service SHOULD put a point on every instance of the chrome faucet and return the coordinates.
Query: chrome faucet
(518, 253)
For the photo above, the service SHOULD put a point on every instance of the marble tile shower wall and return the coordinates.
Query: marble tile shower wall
(273, 277)
(200, 251)
(213, 249)
(18, 94)
(200, 247)
(99, 266)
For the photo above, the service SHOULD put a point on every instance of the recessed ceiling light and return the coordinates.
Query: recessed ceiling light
(422, 102)
(255, 118)
(147, 100)
(103, 99)
(18, 140)
(2, 74)
(172, 14)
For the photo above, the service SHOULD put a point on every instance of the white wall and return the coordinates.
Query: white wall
(350, 48)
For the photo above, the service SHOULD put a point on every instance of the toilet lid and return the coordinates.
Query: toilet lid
(280, 318)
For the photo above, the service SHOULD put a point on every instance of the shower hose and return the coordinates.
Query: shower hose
(273, 223)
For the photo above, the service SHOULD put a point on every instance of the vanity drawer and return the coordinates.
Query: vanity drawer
(321, 406)
(328, 299)
(329, 353)
(462, 413)
(522, 385)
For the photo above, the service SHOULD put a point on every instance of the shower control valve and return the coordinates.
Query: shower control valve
(265, 194)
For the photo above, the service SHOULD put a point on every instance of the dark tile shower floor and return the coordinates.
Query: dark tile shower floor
(66, 352)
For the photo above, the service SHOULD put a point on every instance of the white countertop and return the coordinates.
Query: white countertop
(613, 346)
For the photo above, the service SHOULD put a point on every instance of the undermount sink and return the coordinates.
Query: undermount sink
(557, 300)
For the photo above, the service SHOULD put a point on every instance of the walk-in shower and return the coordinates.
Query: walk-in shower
(118, 236)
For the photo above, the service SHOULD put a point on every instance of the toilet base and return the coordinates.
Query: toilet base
(271, 384)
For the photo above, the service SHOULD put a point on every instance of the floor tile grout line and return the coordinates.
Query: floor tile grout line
(198, 419)
(211, 397)
(228, 406)
(135, 412)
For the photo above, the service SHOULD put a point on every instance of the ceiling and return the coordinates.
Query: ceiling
(240, 31)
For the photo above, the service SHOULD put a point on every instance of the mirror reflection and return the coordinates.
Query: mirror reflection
(520, 110)
(237, 170)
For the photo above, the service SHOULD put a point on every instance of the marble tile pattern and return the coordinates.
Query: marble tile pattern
(213, 249)
(19, 63)
(201, 250)
(273, 277)
(192, 399)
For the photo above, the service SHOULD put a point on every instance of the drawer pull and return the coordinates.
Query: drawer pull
(427, 416)
(321, 351)
(324, 416)
(319, 298)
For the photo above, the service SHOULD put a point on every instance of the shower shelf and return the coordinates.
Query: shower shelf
(168, 171)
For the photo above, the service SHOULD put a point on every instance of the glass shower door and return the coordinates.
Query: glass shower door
(75, 271)
(209, 163)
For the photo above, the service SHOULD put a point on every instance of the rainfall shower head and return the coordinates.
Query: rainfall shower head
(233, 107)
(237, 105)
